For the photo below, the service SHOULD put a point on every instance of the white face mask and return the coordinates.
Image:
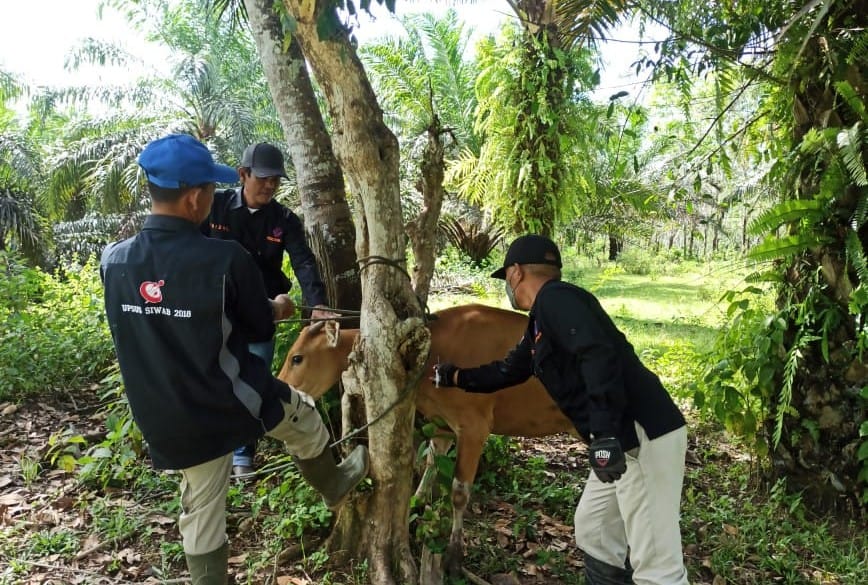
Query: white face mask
(510, 294)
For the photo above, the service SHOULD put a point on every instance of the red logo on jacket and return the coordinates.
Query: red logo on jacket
(276, 236)
(151, 291)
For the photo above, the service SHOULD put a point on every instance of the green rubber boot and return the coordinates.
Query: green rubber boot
(210, 568)
(334, 482)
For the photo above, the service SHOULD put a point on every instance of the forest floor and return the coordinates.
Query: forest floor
(54, 530)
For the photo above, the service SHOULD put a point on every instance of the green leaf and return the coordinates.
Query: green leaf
(774, 248)
(749, 424)
(429, 429)
(445, 466)
(766, 375)
(66, 463)
(863, 451)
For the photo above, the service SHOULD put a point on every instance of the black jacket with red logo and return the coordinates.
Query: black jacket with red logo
(266, 234)
(182, 308)
(587, 365)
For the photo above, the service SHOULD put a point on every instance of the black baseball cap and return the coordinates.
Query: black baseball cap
(263, 160)
(529, 249)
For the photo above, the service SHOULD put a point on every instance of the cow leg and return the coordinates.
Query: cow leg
(470, 447)
(438, 445)
(455, 549)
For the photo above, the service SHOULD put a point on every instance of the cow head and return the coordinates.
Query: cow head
(317, 358)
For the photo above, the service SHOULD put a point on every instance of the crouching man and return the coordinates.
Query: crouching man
(182, 309)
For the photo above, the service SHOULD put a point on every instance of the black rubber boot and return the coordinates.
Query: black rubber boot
(599, 573)
(210, 568)
(334, 482)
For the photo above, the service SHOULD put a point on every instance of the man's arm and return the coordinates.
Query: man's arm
(303, 261)
(514, 369)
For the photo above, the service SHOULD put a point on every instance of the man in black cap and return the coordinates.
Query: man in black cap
(629, 510)
(182, 308)
(266, 229)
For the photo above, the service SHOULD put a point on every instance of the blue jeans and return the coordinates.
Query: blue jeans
(243, 456)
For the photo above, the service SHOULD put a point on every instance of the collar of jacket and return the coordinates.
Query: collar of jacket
(170, 223)
(235, 199)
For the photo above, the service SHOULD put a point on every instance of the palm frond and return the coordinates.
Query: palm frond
(796, 210)
(20, 225)
(91, 51)
(584, 21)
(473, 239)
(10, 87)
(856, 256)
(852, 141)
(773, 248)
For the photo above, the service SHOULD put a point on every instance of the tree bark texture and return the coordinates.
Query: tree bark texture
(327, 217)
(423, 230)
(393, 344)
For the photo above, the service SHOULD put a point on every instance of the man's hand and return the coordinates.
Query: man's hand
(282, 307)
(444, 375)
(321, 313)
(607, 459)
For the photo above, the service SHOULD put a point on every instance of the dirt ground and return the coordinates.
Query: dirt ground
(34, 505)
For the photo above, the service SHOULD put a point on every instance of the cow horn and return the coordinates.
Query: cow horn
(316, 327)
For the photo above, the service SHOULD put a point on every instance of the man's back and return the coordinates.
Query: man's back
(182, 309)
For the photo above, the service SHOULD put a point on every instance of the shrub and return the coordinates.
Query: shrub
(474, 240)
(640, 262)
(53, 330)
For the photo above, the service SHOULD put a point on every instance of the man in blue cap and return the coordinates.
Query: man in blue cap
(637, 435)
(182, 309)
(251, 216)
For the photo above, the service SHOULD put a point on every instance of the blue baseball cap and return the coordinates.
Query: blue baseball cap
(179, 160)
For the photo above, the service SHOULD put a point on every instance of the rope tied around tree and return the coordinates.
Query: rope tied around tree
(352, 314)
(366, 262)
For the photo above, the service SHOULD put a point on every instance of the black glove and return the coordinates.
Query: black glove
(444, 375)
(607, 459)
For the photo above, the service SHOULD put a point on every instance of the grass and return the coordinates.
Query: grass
(736, 529)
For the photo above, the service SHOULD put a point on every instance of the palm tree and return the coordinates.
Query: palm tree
(216, 92)
(532, 114)
(426, 86)
(526, 97)
(22, 227)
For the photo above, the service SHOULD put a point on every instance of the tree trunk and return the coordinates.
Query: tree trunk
(327, 218)
(544, 81)
(825, 465)
(615, 245)
(423, 230)
(393, 342)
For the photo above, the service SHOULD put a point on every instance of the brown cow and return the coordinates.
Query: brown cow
(466, 336)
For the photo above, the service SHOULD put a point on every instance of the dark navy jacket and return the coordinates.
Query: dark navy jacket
(587, 365)
(266, 234)
(182, 308)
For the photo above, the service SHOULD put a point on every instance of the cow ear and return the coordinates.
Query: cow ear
(332, 330)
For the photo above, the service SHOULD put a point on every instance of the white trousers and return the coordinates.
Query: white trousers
(640, 510)
(204, 487)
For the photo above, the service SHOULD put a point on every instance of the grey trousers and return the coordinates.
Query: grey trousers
(204, 487)
(640, 510)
